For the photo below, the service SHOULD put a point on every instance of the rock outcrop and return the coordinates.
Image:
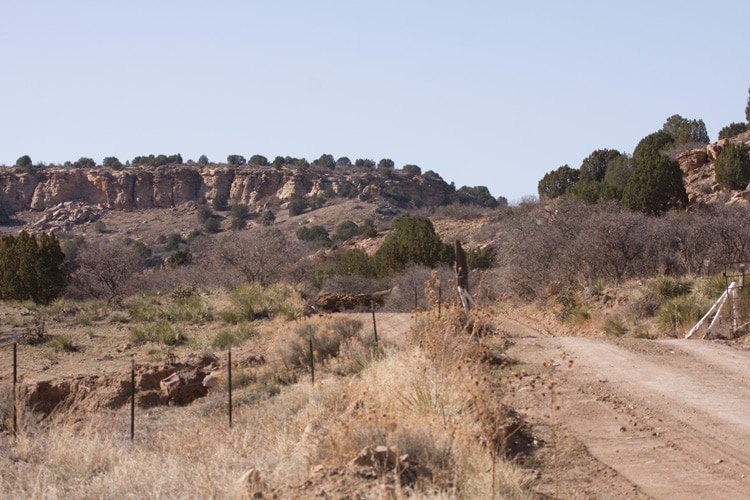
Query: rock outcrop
(699, 174)
(172, 185)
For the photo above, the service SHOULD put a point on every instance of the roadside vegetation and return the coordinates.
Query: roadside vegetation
(607, 250)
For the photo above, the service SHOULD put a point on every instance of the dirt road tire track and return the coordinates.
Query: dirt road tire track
(672, 417)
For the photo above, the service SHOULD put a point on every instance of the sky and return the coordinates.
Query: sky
(485, 93)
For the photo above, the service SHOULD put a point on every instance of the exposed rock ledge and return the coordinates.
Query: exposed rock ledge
(173, 185)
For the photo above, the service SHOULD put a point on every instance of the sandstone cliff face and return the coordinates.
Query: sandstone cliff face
(173, 185)
(699, 173)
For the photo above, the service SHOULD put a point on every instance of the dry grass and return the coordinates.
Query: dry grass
(429, 396)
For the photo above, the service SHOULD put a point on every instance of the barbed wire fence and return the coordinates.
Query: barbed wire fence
(387, 323)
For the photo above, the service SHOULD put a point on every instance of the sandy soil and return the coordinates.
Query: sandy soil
(670, 417)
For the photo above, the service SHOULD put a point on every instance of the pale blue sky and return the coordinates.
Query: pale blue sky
(484, 93)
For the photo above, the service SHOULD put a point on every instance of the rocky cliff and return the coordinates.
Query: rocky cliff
(173, 185)
(699, 174)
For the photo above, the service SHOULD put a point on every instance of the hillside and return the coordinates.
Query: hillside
(580, 318)
(138, 188)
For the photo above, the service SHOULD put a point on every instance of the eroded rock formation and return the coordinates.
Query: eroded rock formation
(173, 185)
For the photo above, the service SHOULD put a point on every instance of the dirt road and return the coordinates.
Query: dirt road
(671, 417)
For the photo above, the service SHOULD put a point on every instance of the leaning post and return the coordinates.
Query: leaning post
(15, 380)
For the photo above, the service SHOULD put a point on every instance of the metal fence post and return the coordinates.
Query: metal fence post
(229, 381)
(132, 397)
(15, 380)
(440, 299)
(374, 323)
(312, 359)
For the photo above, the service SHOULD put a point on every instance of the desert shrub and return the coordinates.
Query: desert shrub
(212, 225)
(572, 310)
(314, 234)
(285, 301)
(62, 343)
(259, 255)
(172, 242)
(714, 286)
(203, 213)
(479, 258)
(368, 229)
(84, 318)
(118, 317)
(297, 206)
(412, 240)
(192, 309)
(316, 201)
(731, 130)
(151, 309)
(184, 291)
(555, 183)
(31, 270)
(670, 287)
(100, 226)
(646, 305)
(180, 258)
(145, 308)
(346, 230)
(236, 336)
(237, 224)
(346, 189)
(193, 235)
(681, 312)
(251, 301)
(461, 212)
(268, 218)
(355, 262)
(73, 246)
(220, 203)
(239, 211)
(327, 338)
(615, 326)
(161, 332)
(733, 166)
(579, 314)
(411, 170)
(242, 310)
(655, 186)
(143, 250)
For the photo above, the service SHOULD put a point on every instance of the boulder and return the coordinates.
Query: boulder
(692, 160)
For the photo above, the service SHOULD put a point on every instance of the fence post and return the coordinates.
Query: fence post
(312, 359)
(416, 303)
(374, 323)
(229, 379)
(132, 397)
(15, 379)
(440, 299)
